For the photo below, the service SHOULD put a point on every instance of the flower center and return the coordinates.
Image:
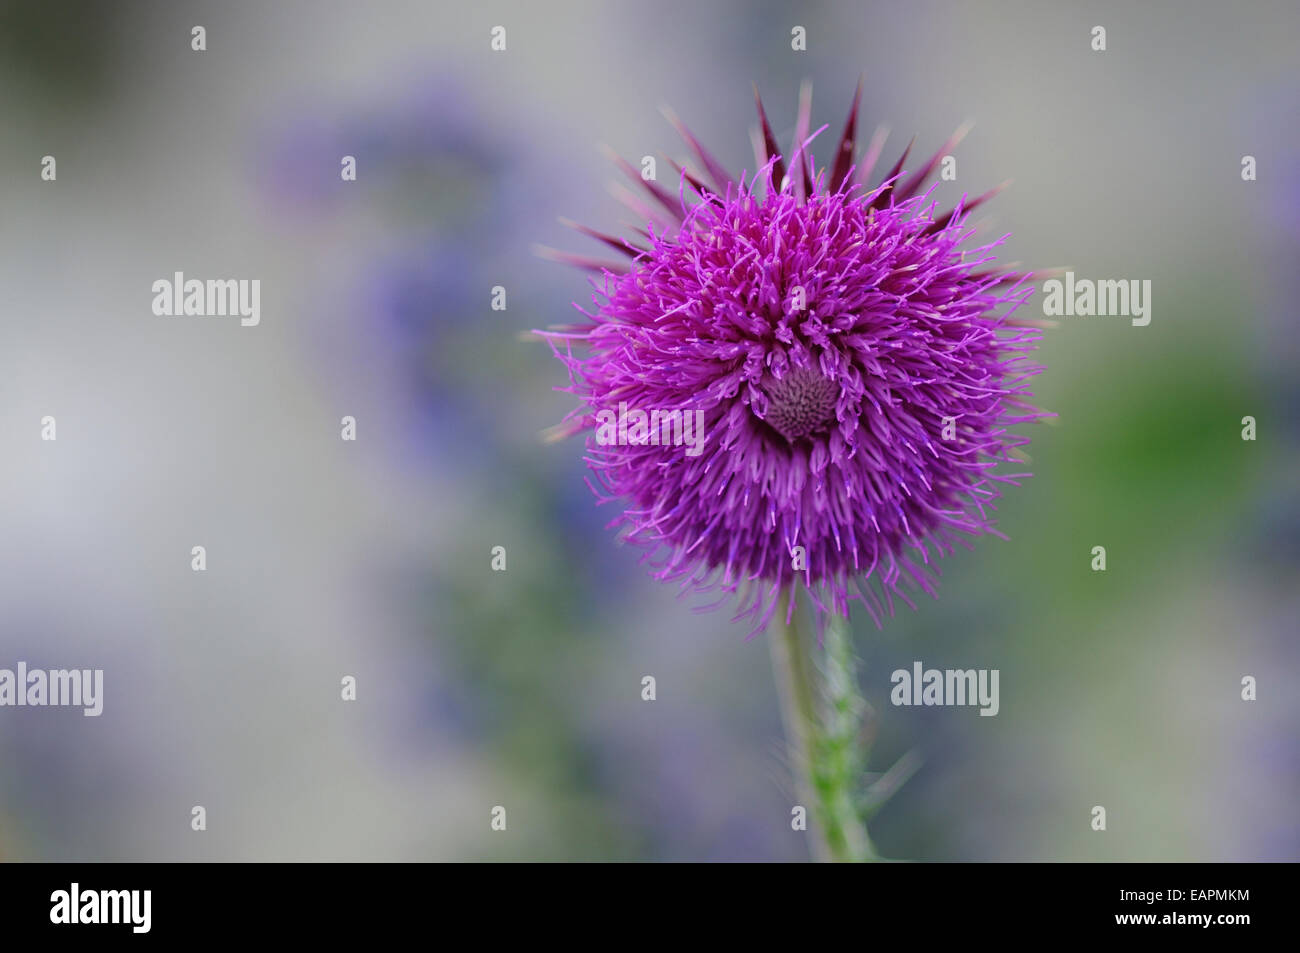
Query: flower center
(800, 403)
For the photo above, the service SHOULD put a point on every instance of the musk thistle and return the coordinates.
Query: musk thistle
(857, 370)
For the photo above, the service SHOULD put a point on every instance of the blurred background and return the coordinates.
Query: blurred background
(523, 688)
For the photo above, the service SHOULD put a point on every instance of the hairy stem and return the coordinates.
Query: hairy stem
(841, 760)
(825, 739)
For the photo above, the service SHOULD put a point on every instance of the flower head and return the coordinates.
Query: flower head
(855, 368)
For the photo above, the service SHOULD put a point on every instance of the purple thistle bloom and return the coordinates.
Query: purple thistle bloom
(856, 369)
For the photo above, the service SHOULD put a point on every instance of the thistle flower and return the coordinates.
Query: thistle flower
(856, 367)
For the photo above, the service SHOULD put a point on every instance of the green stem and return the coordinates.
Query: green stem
(798, 714)
(842, 763)
(826, 754)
